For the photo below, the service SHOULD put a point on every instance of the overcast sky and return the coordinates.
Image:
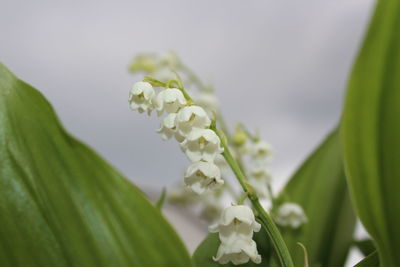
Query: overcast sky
(280, 66)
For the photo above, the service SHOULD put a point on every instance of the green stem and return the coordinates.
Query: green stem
(242, 199)
(266, 221)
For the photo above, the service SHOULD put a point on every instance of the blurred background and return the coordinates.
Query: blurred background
(278, 66)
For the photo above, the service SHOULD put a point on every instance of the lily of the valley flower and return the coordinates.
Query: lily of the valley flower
(208, 101)
(236, 227)
(238, 252)
(261, 187)
(168, 128)
(191, 117)
(201, 176)
(260, 150)
(141, 97)
(212, 207)
(290, 215)
(202, 145)
(169, 100)
(164, 74)
(236, 221)
(260, 172)
(170, 59)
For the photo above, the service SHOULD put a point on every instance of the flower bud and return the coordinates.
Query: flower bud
(239, 138)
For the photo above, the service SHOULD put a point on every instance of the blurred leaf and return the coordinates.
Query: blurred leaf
(319, 186)
(371, 132)
(366, 246)
(63, 205)
(202, 257)
(161, 200)
(372, 260)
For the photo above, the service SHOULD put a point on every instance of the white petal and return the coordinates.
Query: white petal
(240, 212)
(208, 101)
(141, 103)
(213, 228)
(290, 214)
(201, 176)
(169, 100)
(191, 117)
(238, 252)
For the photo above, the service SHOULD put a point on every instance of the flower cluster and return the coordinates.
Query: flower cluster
(259, 152)
(158, 66)
(290, 215)
(192, 127)
(236, 227)
(189, 125)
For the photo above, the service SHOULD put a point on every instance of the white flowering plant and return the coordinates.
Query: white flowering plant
(63, 205)
(212, 151)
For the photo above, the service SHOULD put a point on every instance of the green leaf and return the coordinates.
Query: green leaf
(372, 260)
(371, 132)
(319, 186)
(366, 246)
(61, 204)
(202, 257)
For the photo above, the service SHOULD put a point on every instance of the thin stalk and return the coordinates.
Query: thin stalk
(265, 220)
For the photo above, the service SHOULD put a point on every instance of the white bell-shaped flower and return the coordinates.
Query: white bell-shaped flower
(236, 222)
(261, 187)
(201, 176)
(290, 215)
(208, 101)
(191, 117)
(168, 128)
(141, 97)
(236, 226)
(169, 100)
(260, 172)
(163, 74)
(211, 206)
(170, 59)
(238, 252)
(260, 150)
(202, 145)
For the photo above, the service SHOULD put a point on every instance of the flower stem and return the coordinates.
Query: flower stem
(266, 221)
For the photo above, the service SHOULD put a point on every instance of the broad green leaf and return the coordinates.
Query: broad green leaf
(202, 257)
(319, 186)
(371, 132)
(372, 260)
(61, 204)
(366, 246)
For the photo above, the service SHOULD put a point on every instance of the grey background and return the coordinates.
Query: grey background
(280, 66)
(277, 65)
